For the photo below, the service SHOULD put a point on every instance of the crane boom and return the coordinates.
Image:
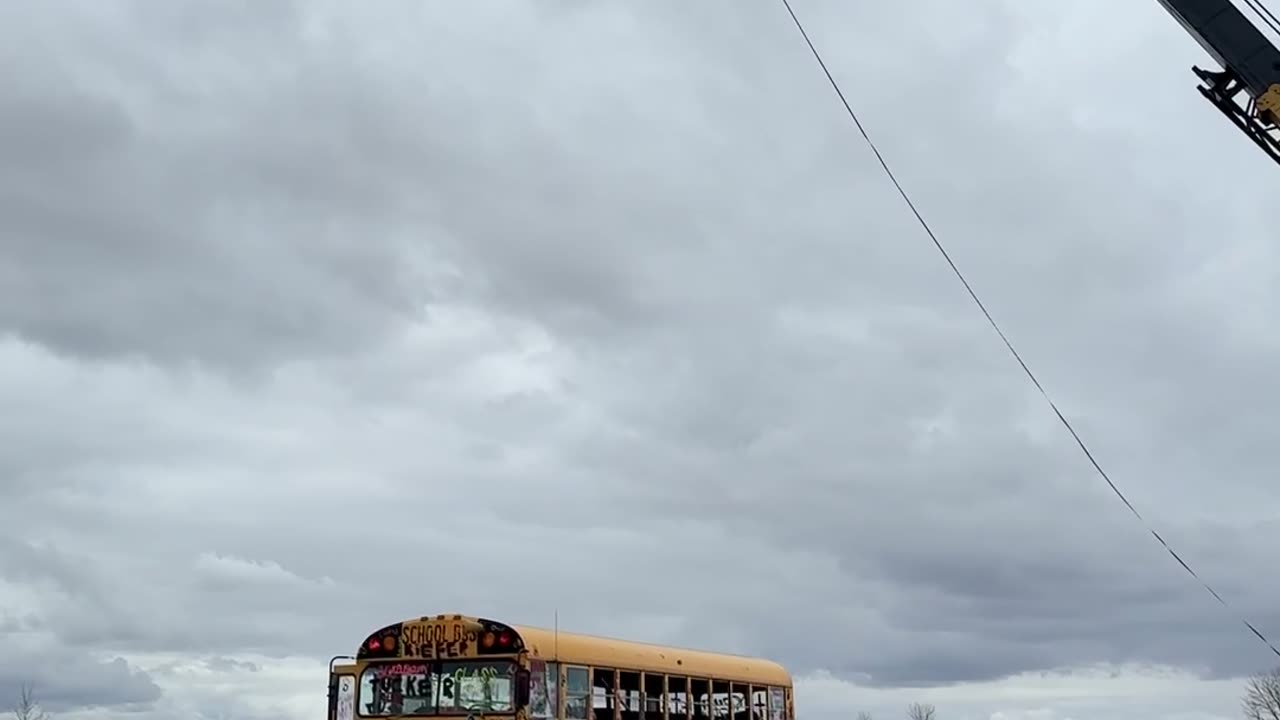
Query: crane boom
(1247, 89)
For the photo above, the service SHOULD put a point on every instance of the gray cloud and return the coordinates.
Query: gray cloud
(65, 679)
(315, 319)
(147, 223)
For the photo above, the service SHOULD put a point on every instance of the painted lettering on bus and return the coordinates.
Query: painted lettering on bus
(457, 679)
(405, 686)
(399, 669)
(436, 640)
(725, 704)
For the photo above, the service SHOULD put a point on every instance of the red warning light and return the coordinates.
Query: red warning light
(374, 644)
(499, 640)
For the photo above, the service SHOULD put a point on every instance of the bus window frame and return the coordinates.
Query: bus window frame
(565, 668)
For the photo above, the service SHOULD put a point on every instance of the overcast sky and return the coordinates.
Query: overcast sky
(316, 316)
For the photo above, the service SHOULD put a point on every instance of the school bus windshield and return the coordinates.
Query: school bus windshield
(416, 688)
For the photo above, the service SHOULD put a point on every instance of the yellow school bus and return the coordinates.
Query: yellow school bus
(455, 665)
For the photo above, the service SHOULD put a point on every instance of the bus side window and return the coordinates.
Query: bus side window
(720, 699)
(655, 690)
(604, 693)
(678, 704)
(777, 704)
(543, 679)
(739, 701)
(553, 682)
(629, 695)
(577, 694)
(759, 703)
(700, 692)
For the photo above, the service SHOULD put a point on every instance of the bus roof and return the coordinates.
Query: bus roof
(574, 648)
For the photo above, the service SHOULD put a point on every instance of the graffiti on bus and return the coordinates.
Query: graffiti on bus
(437, 640)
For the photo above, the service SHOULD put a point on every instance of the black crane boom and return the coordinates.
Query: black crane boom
(1247, 88)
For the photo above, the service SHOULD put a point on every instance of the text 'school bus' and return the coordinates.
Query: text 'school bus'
(452, 665)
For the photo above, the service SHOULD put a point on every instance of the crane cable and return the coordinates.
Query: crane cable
(1009, 345)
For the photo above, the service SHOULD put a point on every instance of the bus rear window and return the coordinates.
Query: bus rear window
(435, 688)
(398, 688)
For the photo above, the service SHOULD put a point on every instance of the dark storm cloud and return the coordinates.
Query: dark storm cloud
(87, 602)
(64, 679)
(609, 304)
(42, 564)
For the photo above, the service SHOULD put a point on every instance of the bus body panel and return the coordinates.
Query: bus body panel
(460, 638)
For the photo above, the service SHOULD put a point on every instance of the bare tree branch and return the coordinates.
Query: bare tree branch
(28, 708)
(918, 711)
(864, 715)
(1262, 696)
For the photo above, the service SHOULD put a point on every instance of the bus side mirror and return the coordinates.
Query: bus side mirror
(524, 679)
